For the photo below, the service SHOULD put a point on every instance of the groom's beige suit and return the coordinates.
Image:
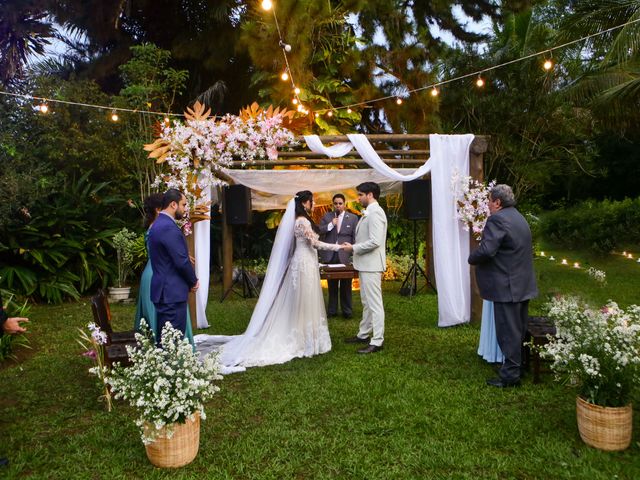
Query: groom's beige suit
(369, 258)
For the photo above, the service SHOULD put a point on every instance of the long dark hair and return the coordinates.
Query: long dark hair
(150, 207)
(302, 197)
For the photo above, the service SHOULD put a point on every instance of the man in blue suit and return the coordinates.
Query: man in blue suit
(173, 274)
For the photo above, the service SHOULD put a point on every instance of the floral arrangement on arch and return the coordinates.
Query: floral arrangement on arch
(197, 151)
(596, 350)
(166, 384)
(472, 202)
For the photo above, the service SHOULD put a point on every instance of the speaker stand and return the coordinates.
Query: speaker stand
(409, 286)
(249, 290)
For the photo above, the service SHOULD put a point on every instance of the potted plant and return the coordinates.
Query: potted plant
(124, 242)
(168, 385)
(599, 352)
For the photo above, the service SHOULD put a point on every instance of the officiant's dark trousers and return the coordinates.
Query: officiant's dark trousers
(511, 325)
(344, 286)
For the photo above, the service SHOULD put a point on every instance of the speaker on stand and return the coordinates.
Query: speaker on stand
(237, 206)
(417, 206)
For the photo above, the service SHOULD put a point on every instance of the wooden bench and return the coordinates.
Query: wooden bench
(537, 331)
(115, 350)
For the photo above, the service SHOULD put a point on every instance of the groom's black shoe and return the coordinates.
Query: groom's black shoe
(499, 383)
(356, 339)
(370, 349)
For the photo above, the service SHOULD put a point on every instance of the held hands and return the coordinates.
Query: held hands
(347, 247)
(12, 325)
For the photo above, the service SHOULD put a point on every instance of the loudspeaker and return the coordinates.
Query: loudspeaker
(417, 199)
(237, 203)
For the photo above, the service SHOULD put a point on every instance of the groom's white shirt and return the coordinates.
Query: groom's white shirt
(371, 236)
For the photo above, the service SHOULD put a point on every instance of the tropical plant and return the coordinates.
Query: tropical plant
(124, 242)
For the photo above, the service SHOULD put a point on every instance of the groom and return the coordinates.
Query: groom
(370, 260)
(173, 274)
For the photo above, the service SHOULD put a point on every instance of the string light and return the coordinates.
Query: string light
(399, 101)
(564, 261)
(284, 76)
(167, 120)
(294, 101)
(349, 110)
(329, 113)
(548, 64)
(434, 92)
(267, 4)
(296, 91)
(114, 116)
(43, 107)
(576, 265)
(480, 82)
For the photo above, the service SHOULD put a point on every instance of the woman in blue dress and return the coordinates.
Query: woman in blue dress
(488, 347)
(145, 308)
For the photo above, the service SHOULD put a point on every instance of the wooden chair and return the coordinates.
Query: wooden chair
(117, 342)
(537, 331)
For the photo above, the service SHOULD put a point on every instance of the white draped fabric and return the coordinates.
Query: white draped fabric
(273, 188)
(450, 241)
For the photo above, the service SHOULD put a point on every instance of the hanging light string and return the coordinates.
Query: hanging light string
(433, 86)
(478, 73)
(90, 105)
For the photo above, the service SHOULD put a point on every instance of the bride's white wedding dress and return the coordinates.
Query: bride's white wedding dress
(289, 320)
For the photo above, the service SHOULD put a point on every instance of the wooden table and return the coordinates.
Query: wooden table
(338, 273)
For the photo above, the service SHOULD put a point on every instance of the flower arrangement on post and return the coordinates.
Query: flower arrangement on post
(168, 385)
(94, 348)
(197, 152)
(124, 242)
(599, 352)
(472, 202)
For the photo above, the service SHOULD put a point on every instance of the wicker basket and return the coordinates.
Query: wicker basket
(180, 449)
(606, 428)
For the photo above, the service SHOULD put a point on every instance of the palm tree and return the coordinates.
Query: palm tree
(24, 32)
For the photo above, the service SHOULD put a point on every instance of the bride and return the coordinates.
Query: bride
(289, 320)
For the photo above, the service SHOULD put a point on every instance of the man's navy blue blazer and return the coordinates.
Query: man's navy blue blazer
(173, 274)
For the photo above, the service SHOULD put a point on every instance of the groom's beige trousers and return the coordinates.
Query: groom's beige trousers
(372, 307)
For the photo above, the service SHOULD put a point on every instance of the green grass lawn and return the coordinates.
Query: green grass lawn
(419, 409)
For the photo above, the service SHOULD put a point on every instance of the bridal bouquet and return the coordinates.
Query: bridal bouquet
(472, 202)
(597, 350)
(166, 384)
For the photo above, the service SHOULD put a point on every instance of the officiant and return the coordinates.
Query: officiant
(338, 226)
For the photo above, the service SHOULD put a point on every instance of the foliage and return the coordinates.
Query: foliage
(139, 252)
(397, 267)
(10, 343)
(63, 250)
(94, 345)
(168, 383)
(599, 226)
(124, 242)
(599, 350)
(149, 84)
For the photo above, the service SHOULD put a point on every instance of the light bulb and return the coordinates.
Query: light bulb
(287, 47)
(294, 101)
(317, 115)
(564, 261)
(399, 101)
(480, 82)
(349, 110)
(329, 113)
(284, 76)
(300, 108)
(576, 265)
(547, 65)
(296, 91)
(43, 107)
(167, 120)
(267, 4)
(114, 117)
(542, 254)
(434, 92)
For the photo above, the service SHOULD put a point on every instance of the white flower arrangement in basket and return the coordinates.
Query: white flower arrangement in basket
(596, 350)
(167, 384)
(472, 202)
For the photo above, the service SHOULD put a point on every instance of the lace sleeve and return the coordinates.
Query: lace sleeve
(303, 229)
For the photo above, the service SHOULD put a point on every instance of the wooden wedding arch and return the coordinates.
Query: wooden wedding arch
(397, 151)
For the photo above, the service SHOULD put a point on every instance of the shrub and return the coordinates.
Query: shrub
(597, 226)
